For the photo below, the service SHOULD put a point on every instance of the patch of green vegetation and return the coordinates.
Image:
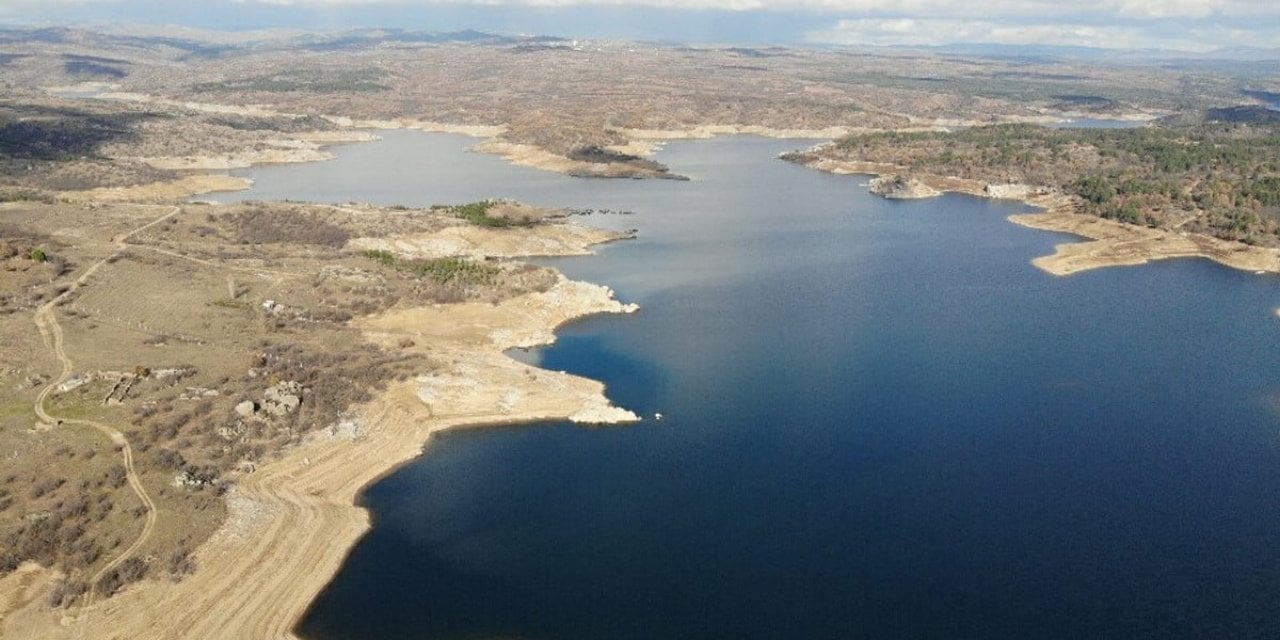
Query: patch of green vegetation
(232, 304)
(25, 195)
(442, 270)
(16, 412)
(476, 213)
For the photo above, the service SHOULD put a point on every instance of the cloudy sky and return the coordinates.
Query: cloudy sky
(1191, 25)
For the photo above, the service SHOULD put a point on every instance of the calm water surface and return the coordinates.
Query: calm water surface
(879, 422)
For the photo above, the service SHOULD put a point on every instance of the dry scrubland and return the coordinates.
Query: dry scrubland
(214, 339)
(1220, 179)
(590, 109)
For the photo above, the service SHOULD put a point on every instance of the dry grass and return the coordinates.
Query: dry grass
(168, 336)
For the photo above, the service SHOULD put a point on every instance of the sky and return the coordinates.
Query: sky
(1186, 25)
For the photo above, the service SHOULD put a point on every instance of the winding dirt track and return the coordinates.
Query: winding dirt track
(51, 332)
(292, 522)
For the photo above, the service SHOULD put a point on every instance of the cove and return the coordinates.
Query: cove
(879, 421)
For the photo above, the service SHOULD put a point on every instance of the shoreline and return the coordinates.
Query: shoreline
(1104, 243)
(163, 191)
(293, 522)
(308, 147)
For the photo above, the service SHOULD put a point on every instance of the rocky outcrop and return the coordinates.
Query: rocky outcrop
(901, 187)
(1013, 191)
(281, 399)
(278, 400)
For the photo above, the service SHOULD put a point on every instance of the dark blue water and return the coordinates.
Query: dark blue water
(879, 422)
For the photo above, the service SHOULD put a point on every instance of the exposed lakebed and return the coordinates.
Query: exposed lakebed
(879, 420)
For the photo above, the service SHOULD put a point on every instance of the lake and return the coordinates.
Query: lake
(879, 421)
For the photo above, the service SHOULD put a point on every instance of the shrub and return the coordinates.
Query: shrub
(129, 571)
(476, 213)
(262, 225)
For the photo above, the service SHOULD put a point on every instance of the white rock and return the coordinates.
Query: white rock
(246, 409)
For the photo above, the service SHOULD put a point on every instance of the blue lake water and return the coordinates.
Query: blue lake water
(880, 421)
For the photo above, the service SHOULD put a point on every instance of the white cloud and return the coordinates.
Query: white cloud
(1183, 24)
(921, 31)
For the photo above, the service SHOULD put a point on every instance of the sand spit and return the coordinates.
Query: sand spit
(166, 191)
(293, 521)
(527, 155)
(1110, 243)
(557, 239)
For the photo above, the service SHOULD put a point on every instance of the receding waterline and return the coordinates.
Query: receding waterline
(878, 421)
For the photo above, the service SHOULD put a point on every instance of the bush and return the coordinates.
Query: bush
(66, 591)
(476, 213)
(261, 225)
(129, 571)
(442, 270)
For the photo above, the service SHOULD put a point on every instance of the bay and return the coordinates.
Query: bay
(879, 421)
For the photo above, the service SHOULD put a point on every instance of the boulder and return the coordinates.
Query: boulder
(246, 409)
(283, 398)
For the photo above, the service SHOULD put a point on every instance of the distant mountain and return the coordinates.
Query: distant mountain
(362, 38)
(1038, 53)
(1248, 54)
(195, 46)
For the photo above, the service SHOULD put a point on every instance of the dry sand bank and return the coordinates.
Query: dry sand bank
(526, 155)
(302, 147)
(166, 191)
(293, 521)
(473, 130)
(1110, 243)
(557, 239)
(1113, 244)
